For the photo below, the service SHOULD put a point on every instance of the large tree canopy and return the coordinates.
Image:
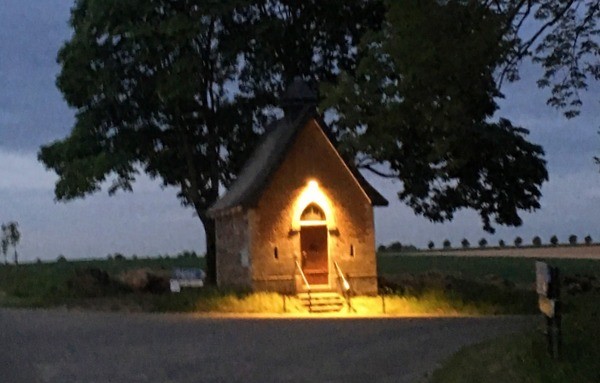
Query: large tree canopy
(181, 89)
(421, 103)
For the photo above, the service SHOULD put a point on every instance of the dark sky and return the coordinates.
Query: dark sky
(151, 221)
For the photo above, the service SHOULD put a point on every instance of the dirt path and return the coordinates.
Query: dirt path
(569, 252)
(63, 346)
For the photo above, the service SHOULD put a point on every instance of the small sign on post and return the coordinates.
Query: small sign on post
(186, 278)
(547, 283)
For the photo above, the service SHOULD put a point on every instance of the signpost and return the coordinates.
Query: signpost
(186, 278)
(547, 283)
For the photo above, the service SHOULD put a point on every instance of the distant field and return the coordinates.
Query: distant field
(562, 251)
(514, 269)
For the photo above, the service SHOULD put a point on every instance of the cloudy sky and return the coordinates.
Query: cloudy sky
(151, 221)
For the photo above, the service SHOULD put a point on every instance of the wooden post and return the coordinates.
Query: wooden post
(548, 288)
(555, 330)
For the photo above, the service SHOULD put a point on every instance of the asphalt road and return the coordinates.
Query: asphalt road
(68, 346)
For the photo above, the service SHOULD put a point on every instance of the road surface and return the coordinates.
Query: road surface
(70, 346)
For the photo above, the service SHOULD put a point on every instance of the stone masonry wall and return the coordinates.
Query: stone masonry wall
(312, 157)
(233, 253)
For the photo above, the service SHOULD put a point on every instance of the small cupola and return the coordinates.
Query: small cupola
(297, 96)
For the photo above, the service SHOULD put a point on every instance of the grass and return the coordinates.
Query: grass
(459, 285)
(524, 358)
(46, 284)
(514, 269)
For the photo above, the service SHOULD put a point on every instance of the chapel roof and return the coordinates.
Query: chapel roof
(268, 155)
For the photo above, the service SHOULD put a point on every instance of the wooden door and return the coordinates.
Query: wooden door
(313, 244)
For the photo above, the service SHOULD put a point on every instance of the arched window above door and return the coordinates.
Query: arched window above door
(312, 213)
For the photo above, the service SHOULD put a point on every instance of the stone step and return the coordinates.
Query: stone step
(322, 301)
(319, 295)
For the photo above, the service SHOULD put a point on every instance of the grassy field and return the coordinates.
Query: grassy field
(516, 270)
(524, 358)
(412, 284)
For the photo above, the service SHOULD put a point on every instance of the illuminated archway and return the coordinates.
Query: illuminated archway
(312, 195)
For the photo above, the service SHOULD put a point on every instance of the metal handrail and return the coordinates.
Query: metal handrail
(303, 276)
(345, 285)
(305, 283)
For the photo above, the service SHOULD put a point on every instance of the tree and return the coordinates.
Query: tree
(10, 238)
(465, 243)
(395, 246)
(537, 241)
(572, 239)
(518, 241)
(420, 107)
(501, 243)
(446, 244)
(483, 242)
(151, 83)
(430, 245)
(554, 240)
(381, 248)
(588, 239)
(182, 90)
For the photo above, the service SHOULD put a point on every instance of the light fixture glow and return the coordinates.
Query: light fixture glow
(312, 193)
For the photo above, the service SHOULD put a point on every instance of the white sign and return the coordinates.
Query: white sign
(542, 278)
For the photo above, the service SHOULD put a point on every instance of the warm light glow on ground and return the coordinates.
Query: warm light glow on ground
(271, 305)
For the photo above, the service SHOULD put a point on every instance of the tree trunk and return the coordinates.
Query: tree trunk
(211, 250)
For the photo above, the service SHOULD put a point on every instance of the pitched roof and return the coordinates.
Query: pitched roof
(254, 176)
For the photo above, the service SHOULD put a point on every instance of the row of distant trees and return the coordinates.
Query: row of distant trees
(483, 243)
(518, 242)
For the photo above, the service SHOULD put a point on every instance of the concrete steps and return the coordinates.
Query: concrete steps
(322, 301)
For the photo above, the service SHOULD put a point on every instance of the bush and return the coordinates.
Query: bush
(119, 257)
(483, 242)
(572, 239)
(588, 239)
(537, 241)
(430, 245)
(518, 241)
(447, 244)
(381, 248)
(92, 282)
(554, 240)
(61, 258)
(465, 243)
(501, 243)
(394, 246)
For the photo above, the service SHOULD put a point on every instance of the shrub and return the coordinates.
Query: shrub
(447, 244)
(518, 241)
(537, 241)
(61, 258)
(501, 243)
(588, 239)
(381, 248)
(430, 245)
(465, 243)
(394, 246)
(572, 239)
(554, 240)
(483, 242)
(119, 257)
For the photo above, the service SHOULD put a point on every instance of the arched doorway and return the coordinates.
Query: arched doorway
(314, 246)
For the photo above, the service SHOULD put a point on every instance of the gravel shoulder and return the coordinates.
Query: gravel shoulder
(71, 346)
